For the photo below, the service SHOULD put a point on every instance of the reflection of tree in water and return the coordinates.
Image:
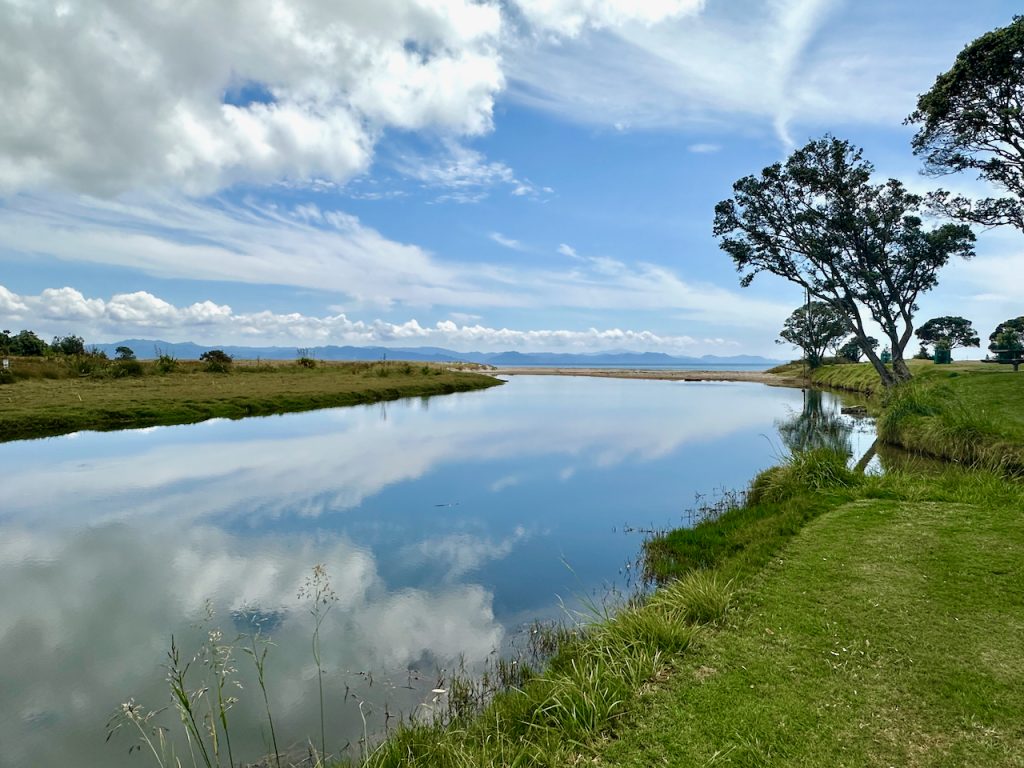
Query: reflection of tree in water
(816, 426)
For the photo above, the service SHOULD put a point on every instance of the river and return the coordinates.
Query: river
(445, 526)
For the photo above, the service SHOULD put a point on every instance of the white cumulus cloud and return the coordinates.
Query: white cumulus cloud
(61, 310)
(103, 95)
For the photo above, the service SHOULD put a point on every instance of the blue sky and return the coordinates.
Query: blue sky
(529, 174)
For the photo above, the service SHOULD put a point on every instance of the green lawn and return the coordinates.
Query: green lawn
(889, 633)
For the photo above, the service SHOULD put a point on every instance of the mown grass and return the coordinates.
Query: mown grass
(53, 403)
(888, 632)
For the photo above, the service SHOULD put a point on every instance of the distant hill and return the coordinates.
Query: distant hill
(150, 348)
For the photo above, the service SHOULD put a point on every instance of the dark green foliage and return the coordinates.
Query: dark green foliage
(948, 332)
(814, 328)
(68, 345)
(971, 120)
(27, 344)
(1007, 340)
(217, 361)
(306, 362)
(819, 222)
(853, 351)
(126, 367)
(5, 342)
(124, 353)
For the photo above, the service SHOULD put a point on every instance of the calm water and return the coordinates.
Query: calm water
(446, 525)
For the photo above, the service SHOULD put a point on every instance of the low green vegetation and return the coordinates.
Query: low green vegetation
(887, 632)
(557, 717)
(51, 396)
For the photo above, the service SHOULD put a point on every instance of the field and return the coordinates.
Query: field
(49, 400)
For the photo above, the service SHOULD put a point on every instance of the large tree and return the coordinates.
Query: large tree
(972, 119)
(1007, 340)
(951, 331)
(818, 221)
(814, 328)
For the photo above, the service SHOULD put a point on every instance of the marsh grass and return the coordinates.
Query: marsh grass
(321, 596)
(603, 661)
(46, 399)
(812, 470)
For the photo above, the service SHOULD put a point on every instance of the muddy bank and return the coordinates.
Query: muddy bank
(760, 377)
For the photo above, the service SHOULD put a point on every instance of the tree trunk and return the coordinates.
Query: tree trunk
(899, 368)
(883, 373)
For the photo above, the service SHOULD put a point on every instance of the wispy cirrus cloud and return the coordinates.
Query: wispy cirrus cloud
(464, 175)
(742, 67)
(506, 242)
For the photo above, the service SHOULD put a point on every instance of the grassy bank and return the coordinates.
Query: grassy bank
(50, 401)
(832, 619)
(887, 632)
(874, 620)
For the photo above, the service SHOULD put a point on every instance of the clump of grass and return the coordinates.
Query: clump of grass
(700, 597)
(814, 470)
(164, 363)
(907, 401)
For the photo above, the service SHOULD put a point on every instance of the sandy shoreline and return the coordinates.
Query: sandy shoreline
(759, 377)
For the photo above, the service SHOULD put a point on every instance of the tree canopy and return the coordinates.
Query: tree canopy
(68, 345)
(950, 331)
(853, 351)
(27, 344)
(972, 118)
(818, 221)
(1008, 337)
(814, 328)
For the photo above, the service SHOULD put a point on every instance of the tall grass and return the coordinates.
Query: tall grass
(804, 471)
(935, 420)
(594, 678)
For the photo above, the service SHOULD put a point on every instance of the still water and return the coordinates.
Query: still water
(446, 525)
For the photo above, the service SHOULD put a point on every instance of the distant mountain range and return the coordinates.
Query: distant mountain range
(150, 348)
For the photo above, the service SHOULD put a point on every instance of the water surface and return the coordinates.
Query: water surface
(445, 524)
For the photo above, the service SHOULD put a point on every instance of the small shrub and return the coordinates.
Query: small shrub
(164, 363)
(88, 364)
(306, 362)
(124, 368)
(217, 361)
